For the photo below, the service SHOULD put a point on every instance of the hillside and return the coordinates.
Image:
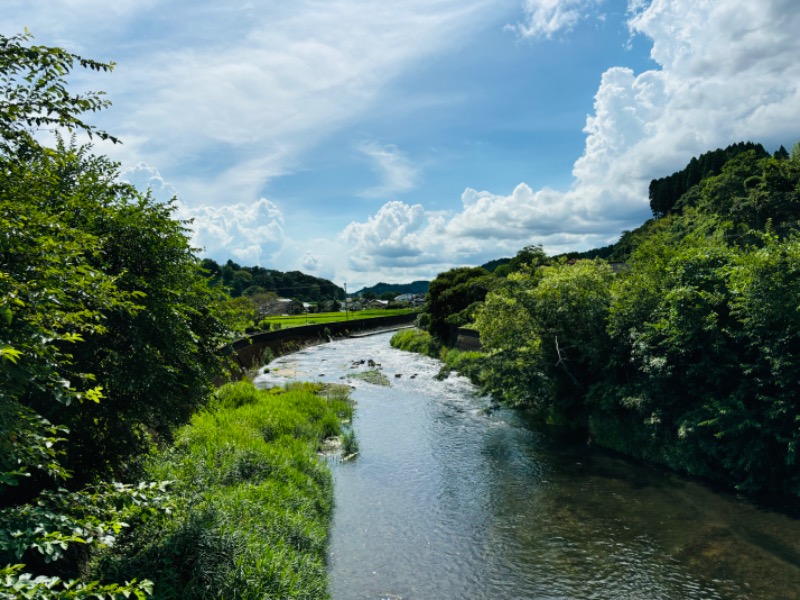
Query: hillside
(415, 287)
(240, 280)
(493, 265)
(683, 190)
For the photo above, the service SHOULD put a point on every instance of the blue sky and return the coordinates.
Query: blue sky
(361, 140)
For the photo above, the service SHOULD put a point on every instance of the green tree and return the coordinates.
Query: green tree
(453, 297)
(108, 328)
(530, 257)
(545, 337)
(706, 345)
(34, 93)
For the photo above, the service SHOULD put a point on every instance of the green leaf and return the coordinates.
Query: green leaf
(10, 354)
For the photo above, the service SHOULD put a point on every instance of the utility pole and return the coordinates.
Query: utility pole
(346, 314)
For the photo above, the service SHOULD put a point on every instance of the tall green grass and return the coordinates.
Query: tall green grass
(253, 501)
(416, 340)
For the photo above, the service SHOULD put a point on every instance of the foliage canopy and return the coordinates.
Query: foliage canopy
(108, 330)
(686, 354)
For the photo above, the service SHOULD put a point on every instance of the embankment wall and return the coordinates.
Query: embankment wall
(249, 351)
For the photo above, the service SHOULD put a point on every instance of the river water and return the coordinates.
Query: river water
(448, 500)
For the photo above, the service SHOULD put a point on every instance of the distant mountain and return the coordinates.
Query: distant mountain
(416, 287)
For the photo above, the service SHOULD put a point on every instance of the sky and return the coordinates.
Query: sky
(366, 141)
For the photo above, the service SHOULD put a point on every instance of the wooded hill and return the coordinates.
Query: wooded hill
(415, 287)
(239, 280)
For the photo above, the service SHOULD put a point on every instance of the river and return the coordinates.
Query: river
(448, 500)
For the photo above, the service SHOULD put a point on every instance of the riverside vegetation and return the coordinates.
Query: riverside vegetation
(679, 345)
(251, 501)
(109, 338)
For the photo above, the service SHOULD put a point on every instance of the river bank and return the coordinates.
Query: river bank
(250, 500)
(258, 349)
(599, 426)
(451, 497)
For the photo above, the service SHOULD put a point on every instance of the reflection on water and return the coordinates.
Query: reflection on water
(448, 502)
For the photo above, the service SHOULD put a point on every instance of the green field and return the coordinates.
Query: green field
(332, 317)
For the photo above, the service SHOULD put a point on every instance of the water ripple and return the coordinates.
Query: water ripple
(448, 502)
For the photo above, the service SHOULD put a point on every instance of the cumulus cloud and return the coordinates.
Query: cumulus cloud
(310, 262)
(395, 171)
(545, 18)
(727, 72)
(240, 109)
(145, 177)
(250, 232)
(404, 239)
(392, 235)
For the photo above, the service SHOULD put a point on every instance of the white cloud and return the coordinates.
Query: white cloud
(403, 242)
(728, 71)
(224, 97)
(545, 18)
(145, 177)
(310, 262)
(391, 235)
(250, 232)
(395, 171)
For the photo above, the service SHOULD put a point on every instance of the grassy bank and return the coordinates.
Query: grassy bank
(252, 501)
(283, 322)
(417, 340)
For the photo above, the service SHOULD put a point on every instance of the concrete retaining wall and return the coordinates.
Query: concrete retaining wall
(248, 352)
(466, 339)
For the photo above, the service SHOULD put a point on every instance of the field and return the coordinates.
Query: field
(332, 317)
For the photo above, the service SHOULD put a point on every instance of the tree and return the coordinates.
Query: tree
(753, 190)
(108, 328)
(452, 298)
(34, 92)
(530, 257)
(781, 153)
(666, 194)
(544, 332)
(706, 345)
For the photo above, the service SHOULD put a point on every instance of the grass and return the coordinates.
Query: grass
(332, 317)
(468, 363)
(372, 376)
(349, 444)
(416, 340)
(252, 500)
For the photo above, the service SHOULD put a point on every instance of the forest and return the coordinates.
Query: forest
(679, 345)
